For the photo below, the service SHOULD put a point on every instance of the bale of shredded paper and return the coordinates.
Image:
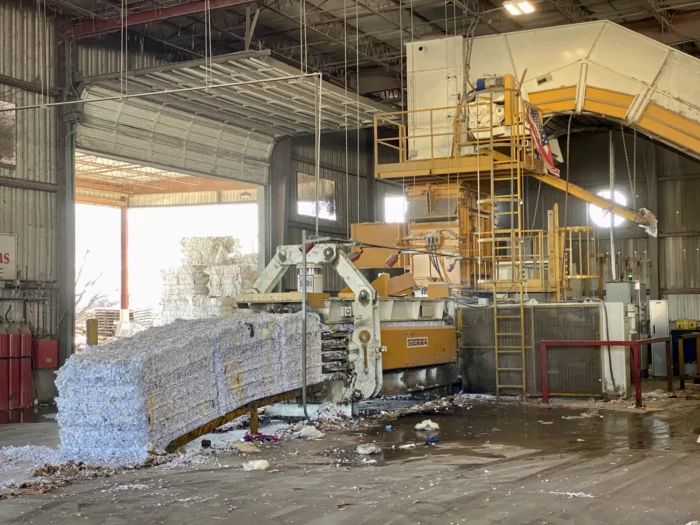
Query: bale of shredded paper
(197, 307)
(207, 250)
(224, 280)
(136, 395)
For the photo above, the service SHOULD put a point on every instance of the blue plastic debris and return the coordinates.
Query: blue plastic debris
(432, 441)
(388, 427)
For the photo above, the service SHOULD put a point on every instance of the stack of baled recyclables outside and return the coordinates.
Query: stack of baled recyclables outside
(213, 271)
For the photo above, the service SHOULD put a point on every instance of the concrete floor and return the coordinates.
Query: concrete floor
(495, 464)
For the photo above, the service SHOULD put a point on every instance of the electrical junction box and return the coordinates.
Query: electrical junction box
(45, 354)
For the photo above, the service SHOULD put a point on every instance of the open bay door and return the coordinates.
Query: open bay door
(227, 130)
(145, 132)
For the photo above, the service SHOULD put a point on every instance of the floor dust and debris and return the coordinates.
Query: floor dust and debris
(494, 463)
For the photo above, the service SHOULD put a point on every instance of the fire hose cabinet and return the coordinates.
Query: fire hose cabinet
(46, 353)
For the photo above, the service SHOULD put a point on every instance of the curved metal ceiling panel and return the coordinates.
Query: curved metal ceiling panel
(154, 134)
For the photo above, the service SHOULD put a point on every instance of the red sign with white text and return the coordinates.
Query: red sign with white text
(8, 256)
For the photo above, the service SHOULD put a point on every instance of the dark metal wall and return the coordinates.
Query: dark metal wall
(573, 369)
(666, 182)
(358, 196)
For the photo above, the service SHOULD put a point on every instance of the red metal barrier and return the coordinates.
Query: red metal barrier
(26, 397)
(15, 353)
(633, 345)
(4, 369)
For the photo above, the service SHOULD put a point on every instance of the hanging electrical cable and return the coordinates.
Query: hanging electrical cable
(403, 105)
(121, 48)
(566, 202)
(317, 142)
(345, 116)
(301, 37)
(47, 53)
(357, 101)
(211, 49)
(126, 46)
(413, 101)
(37, 29)
(629, 170)
(306, 41)
(206, 42)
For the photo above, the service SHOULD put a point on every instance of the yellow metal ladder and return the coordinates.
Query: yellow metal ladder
(509, 343)
(505, 247)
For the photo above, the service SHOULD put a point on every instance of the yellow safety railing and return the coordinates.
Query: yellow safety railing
(445, 132)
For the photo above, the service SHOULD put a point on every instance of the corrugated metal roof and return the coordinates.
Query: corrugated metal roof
(278, 103)
(194, 198)
(125, 178)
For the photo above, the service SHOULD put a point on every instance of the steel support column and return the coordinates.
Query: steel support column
(372, 204)
(280, 178)
(65, 157)
(653, 203)
(613, 256)
(124, 264)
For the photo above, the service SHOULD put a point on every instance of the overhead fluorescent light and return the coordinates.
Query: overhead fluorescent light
(517, 8)
(512, 9)
(526, 7)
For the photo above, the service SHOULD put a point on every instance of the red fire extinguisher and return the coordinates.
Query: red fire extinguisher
(26, 397)
(4, 369)
(15, 353)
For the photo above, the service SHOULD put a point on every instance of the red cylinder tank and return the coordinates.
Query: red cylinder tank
(15, 353)
(26, 397)
(4, 369)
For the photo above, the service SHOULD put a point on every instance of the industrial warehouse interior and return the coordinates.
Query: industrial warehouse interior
(349, 261)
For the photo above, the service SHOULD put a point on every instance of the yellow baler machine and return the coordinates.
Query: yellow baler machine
(407, 345)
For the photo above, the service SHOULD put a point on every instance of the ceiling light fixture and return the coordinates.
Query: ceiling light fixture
(526, 7)
(523, 7)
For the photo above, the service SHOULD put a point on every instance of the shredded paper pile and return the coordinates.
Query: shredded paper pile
(133, 395)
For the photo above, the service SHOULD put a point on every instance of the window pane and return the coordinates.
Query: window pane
(395, 209)
(8, 137)
(306, 197)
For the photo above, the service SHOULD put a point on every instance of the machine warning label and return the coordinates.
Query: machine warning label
(416, 342)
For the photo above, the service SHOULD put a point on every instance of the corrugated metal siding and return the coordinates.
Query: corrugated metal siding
(680, 262)
(333, 168)
(570, 369)
(678, 206)
(590, 170)
(104, 56)
(22, 56)
(674, 164)
(683, 306)
(30, 214)
(333, 150)
(574, 370)
(677, 213)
